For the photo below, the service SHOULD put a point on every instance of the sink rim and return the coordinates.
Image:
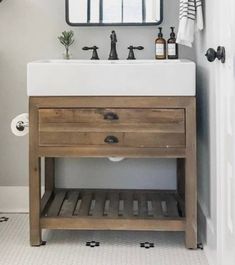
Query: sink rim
(109, 62)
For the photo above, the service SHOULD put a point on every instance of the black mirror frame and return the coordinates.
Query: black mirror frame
(110, 24)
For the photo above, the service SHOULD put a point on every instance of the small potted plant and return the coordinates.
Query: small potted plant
(66, 39)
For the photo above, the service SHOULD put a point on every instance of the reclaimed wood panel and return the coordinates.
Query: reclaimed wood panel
(69, 204)
(119, 116)
(120, 204)
(74, 138)
(56, 204)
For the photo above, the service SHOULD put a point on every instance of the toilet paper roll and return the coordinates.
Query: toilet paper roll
(20, 125)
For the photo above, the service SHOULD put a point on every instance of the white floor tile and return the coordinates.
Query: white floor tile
(69, 247)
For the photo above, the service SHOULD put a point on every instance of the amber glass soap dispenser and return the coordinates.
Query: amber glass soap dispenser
(172, 46)
(160, 46)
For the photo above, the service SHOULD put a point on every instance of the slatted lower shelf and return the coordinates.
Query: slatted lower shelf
(112, 209)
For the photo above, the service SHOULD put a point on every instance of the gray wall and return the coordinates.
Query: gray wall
(28, 31)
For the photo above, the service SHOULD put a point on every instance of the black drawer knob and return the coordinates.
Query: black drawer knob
(111, 140)
(111, 116)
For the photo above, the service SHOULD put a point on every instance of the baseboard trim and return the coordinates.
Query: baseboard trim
(14, 199)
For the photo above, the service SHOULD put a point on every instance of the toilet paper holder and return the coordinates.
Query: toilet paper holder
(20, 126)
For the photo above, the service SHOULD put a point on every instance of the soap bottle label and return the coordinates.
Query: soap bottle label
(171, 49)
(159, 49)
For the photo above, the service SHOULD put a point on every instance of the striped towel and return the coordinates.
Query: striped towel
(191, 20)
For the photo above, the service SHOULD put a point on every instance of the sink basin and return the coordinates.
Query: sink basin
(111, 78)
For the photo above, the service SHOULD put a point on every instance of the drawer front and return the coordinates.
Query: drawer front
(111, 116)
(112, 127)
(139, 140)
(80, 138)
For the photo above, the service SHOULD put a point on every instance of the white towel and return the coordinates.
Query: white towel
(191, 20)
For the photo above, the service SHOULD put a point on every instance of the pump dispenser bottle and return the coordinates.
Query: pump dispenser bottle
(172, 46)
(160, 44)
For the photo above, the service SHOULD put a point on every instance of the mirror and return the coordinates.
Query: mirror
(113, 12)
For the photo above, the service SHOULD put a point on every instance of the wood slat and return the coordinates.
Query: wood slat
(172, 209)
(69, 204)
(143, 207)
(45, 199)
(86, 199)
(128, 204)
(156, 203)
(56, 205)
(114, 204)
(99, 204)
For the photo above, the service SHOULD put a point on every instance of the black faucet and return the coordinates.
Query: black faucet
(131, 55)
(113, 52)
(94, 53)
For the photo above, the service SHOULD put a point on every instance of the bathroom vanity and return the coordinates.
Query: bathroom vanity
(121, 109)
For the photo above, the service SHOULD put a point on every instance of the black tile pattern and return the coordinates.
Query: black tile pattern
(147, 245)
(200, 246)
(3, 219)
(92, 244)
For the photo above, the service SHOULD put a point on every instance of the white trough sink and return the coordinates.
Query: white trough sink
(111, 78)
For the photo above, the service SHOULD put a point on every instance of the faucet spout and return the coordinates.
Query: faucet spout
(113, 52)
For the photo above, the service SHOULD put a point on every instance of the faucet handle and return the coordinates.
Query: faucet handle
(131, 55)
(94, 53)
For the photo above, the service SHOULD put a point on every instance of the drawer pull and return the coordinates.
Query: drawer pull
(111, 116)
(111, 140)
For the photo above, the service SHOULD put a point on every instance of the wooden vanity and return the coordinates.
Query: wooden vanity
(131, 127)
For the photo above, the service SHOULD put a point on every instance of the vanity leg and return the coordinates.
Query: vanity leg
(190, 204)
(181, 185)
(191, 178)
(34, 178)
(181, 178)
(35, 201)
(49, 174)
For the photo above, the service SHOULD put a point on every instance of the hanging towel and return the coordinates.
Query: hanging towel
(191, 20)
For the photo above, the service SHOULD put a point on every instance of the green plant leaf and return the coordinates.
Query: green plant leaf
(66, 38)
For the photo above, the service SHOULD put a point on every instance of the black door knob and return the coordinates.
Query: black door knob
(211, 54)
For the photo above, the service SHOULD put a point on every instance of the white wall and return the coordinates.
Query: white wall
(206, 108)
(28, 31)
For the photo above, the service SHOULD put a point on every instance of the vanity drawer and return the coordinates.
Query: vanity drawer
(112, 127)
(101, 116)
(122, 139)
(80, 139)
